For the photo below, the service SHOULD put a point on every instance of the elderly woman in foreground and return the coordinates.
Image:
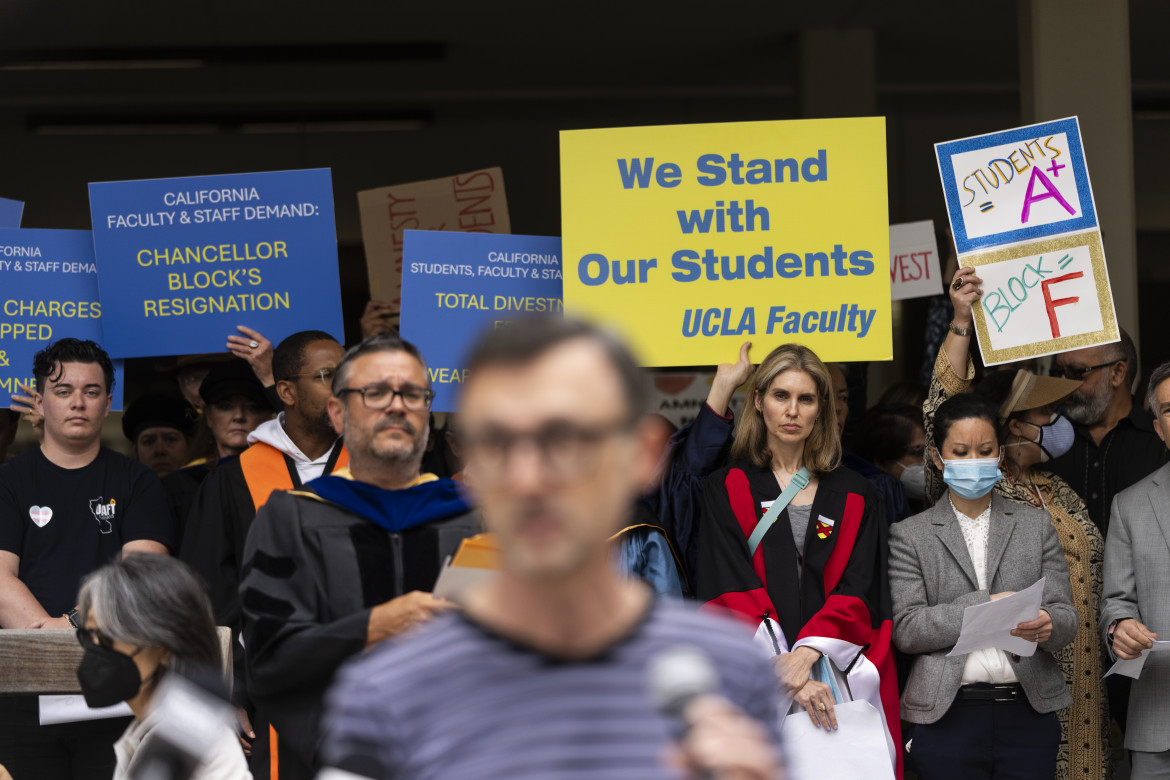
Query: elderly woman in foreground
(146, 617)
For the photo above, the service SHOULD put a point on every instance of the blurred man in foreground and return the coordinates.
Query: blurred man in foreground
(545, 673)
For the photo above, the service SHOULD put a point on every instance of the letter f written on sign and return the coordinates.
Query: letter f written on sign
(1051, 303)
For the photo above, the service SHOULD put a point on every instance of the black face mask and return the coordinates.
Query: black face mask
(108, 677)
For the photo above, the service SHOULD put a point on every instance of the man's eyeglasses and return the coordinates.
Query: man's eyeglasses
(1076, 373)
(565, 449)
(379, 397)
(324, 374)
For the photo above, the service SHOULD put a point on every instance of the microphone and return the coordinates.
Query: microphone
(678, 676)
(675, 678)
(192, 713)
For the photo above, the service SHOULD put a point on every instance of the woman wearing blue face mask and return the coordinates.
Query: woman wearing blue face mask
(1033, 434)
(986, 713)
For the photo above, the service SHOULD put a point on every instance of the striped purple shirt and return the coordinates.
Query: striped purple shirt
(456, 700)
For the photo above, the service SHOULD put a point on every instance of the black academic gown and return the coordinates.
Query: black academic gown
(313, 571)
(836, 587)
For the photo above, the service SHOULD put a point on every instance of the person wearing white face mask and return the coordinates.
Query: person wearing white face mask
(1033, 435)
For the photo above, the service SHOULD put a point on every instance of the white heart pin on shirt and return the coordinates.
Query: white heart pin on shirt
(41, 515)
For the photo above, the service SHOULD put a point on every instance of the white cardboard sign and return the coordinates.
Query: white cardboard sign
(914, 268)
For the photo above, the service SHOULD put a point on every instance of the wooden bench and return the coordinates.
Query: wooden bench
(44, 660)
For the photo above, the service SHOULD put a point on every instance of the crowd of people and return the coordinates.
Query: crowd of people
(780, 564)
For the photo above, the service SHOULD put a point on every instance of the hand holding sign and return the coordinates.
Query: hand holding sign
(379, 317)
(26, 406)
(965, 290)
(256, 350)
(728, 378)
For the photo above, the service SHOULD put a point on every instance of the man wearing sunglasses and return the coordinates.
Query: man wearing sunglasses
(285, 453)
(348, 560)
(1115, 443)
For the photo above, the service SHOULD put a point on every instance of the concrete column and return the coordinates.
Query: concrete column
(1074, 60)
(838, 78)
(838, 72)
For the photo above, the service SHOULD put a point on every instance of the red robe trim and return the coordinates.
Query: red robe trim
(856, 604)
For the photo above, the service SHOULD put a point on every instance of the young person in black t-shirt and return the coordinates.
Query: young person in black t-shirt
(67, 508)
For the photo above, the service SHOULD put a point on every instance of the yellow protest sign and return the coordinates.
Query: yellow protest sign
(691, 239)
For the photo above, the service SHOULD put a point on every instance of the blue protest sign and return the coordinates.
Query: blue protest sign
(1017, 185)
(182, 262)
(10, 212)
(455, 285)
(48, 291)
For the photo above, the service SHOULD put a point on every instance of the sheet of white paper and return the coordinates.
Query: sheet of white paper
(857, 749)
(990, 624)
(1133, 667)
(70, 709)
(453, 581)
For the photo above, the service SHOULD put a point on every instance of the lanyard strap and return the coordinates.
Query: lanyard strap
(799, 482)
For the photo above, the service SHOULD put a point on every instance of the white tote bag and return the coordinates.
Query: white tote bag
(856, 751)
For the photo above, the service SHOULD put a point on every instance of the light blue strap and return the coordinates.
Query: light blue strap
(799, 482)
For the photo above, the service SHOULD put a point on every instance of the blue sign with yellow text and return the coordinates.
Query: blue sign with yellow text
(182, 262)
(48, 291)
(456, 285)
(10, 213)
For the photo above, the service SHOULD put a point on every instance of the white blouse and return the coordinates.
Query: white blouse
(222, 760)
(990, 665)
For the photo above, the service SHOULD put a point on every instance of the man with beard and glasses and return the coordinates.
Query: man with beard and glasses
(285, 453)
(1115, 444)
(348, 560)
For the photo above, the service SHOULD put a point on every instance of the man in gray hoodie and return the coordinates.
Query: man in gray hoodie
(296, 447)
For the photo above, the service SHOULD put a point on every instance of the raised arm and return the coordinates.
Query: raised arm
(954, 370)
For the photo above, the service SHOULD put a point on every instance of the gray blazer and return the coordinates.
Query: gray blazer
(932, 580)
(1137, 585)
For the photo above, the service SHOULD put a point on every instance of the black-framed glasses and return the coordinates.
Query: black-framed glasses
(566, 449)
(379, 397)
(325, 375)
(92, 636)
(1076, 373)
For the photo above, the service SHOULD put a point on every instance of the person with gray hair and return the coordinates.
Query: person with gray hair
(1115, 443)
(143, 618)
(1134, 612)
